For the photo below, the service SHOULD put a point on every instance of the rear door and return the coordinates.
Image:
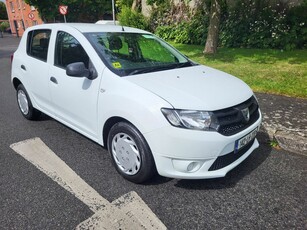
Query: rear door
(34, 68)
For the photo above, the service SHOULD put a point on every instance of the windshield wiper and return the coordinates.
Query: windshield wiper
(184, 64)
(160, 68)
(150, 69)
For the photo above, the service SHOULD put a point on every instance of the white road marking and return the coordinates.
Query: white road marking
(127, 212)
(36, 152)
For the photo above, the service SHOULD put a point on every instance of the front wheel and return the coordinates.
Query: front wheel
(25, 104)
(130, 153)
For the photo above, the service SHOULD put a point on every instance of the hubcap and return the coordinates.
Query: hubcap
(23, 102)
(126, 154)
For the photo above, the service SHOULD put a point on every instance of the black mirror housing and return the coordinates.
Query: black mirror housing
(77, 69)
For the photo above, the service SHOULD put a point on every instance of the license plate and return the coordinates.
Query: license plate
(245, 140)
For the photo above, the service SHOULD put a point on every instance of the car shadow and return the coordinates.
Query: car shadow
(43, 117)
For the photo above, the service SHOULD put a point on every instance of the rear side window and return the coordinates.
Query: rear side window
(68, 50)
(38, 43)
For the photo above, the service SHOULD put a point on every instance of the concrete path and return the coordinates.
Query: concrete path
(285, 121)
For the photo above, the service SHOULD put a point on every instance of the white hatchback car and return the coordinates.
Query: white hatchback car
(126, 89)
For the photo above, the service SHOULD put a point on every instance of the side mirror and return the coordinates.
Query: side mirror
(77, 69)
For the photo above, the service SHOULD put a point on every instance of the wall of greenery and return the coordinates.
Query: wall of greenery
(244, 23)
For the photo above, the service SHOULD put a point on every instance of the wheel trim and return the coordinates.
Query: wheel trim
(126, 154)
(23, 102)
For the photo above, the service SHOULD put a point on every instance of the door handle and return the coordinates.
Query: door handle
(54, 80)
(23, 67)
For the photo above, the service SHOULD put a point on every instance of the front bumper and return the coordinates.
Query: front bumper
(191, 154)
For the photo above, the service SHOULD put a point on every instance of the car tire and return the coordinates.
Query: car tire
(130, 153)
(25, 105)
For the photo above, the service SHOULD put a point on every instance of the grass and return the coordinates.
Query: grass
(268, 71)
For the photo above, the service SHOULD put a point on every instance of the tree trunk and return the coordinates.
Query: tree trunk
(213, 30)
(137, 5)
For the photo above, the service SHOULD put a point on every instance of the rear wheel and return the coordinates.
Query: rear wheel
(25, 104)
(130, 153)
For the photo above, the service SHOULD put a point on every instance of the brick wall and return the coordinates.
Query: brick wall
(21, 16)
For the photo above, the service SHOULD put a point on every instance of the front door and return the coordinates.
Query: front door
(74, 98)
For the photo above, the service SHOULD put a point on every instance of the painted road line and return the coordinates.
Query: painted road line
(127, 212)
(36, 152)
(134, 209)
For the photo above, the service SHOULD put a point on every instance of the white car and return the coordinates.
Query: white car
(126, 89)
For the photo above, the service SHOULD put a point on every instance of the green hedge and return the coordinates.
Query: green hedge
(128, 17)
(246, 24)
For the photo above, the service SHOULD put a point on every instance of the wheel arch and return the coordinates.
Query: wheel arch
(16, 82)
(108, 125)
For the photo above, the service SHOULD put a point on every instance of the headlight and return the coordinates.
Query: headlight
(191, 119)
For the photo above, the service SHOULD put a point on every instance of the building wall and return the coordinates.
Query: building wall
(21, 16)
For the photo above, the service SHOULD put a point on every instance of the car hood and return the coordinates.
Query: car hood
(196, 87)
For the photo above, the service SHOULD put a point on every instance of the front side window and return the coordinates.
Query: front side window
(38, 43)
(68, 50)
(135, 53)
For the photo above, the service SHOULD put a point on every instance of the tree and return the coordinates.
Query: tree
(3, 27)
(137, 5)
(78, 10)
(3, 13)
(213, 30)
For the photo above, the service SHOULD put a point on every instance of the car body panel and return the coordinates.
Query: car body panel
(195, 87)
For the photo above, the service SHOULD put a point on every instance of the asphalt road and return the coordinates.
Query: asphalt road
(267, 191)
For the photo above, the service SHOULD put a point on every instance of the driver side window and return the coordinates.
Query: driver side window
(68, 50)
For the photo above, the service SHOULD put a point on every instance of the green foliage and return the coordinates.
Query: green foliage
(155, 2)
(3, 13)
(128, 17)
(122, 3)
(179, 23)
(160, 15)
(78, 10)
(261, 24)
(193, 32)
(4, 26)
(274, 144)
(297, 21)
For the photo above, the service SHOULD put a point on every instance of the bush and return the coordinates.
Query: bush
(4, 26)
(259, 24)
(297, 21)
(187, 28)
(185, 32)
(128, 17)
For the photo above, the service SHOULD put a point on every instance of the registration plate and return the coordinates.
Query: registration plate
(245, 140)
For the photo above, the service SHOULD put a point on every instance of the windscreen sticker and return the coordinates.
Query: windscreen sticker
(117, 65)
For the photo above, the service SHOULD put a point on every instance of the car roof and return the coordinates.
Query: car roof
(90, 27)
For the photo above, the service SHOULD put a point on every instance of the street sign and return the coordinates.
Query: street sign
(31, 16)
(63, 10)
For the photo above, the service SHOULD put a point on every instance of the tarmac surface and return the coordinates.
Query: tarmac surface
(284, 118)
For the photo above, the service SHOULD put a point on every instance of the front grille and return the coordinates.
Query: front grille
(225, 160)
(231, 120)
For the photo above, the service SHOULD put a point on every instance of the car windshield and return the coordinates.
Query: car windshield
(135, 53)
